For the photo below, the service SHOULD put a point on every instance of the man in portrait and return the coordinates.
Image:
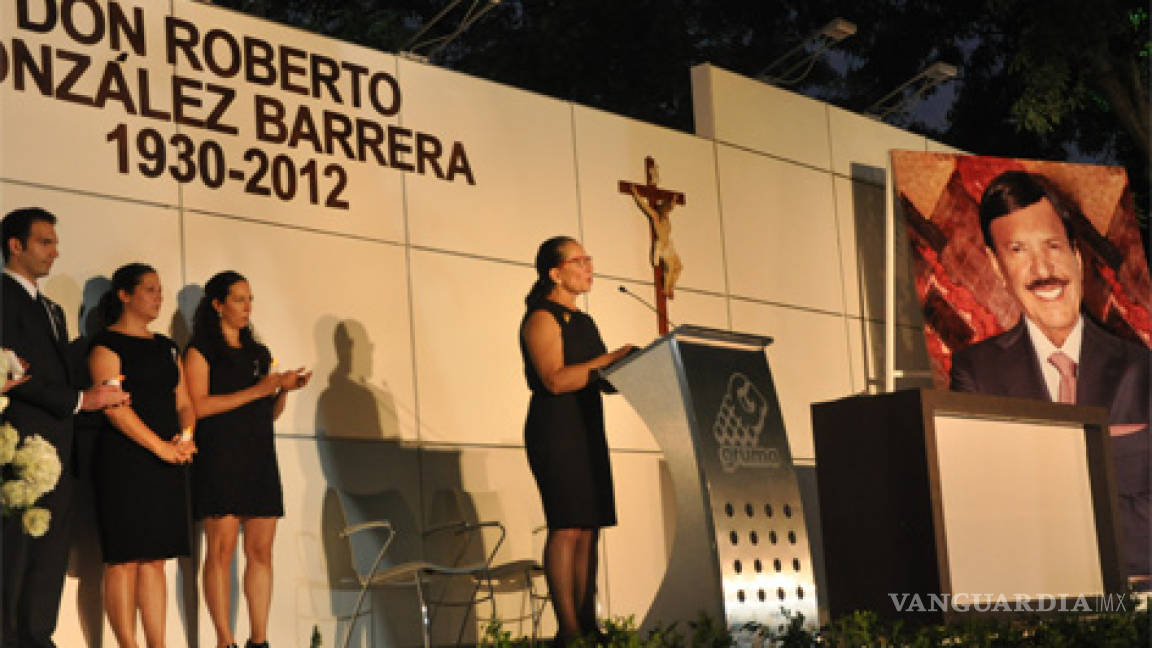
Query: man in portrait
(1055, 351)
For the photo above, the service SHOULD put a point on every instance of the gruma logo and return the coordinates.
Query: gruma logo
(738, 426)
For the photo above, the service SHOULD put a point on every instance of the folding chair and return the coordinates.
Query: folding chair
(418, 574)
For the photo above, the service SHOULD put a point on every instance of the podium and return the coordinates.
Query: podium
(936, 505)
(740, 551)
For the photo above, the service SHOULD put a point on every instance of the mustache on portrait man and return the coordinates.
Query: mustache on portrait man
(1046, 282)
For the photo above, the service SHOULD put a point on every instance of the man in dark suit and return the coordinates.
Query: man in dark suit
(33, 326)
(1055, 352)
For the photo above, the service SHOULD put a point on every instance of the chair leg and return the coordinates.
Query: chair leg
(471, 609)
(491, 600)
(533, 611)
(531, 607)
(355, 615)
(467, 610)
(425, 622)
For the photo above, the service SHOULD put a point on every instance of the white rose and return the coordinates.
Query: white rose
(12, 368)
(8, 440)
(16, 495)
(36, 521)
(37, 463)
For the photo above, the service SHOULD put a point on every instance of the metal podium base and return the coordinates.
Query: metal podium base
(741, 550)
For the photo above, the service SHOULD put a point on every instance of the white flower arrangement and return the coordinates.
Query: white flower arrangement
(28, 470)
(37, 464)
(9, 438)
(36, 521)
(16, 495)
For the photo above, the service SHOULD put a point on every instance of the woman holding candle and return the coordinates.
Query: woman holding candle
(236, 481)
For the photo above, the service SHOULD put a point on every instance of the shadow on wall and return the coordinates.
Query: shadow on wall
(180, 329)
(85, 560)
(85, 563)
(869, 217)
(372, 473)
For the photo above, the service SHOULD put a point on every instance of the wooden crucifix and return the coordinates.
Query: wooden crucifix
(657, 205)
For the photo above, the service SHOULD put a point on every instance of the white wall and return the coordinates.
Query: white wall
(407, 303)
(802, 193)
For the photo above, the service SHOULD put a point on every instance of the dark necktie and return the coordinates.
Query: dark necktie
(49, 308)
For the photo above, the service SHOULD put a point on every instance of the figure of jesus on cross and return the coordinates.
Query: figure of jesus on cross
(657, 205)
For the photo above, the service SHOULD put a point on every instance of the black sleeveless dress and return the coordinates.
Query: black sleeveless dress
(141, 500)
(564, 434)
(235, 471)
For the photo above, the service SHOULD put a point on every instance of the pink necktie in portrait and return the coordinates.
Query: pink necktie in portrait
(1067, 368)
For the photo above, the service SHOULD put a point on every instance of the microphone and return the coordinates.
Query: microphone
(640, 299)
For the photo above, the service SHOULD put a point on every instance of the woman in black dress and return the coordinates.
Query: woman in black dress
(139, 476)
(235, 479)
(564, 431)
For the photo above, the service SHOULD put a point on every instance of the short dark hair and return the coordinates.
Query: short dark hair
(1014, 190)
(18, 224)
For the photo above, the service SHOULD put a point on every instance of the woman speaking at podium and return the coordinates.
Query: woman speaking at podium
(564, 432)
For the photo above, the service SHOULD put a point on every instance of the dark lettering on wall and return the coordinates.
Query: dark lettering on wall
(68, 17)
(133, 32)
(396, 147)
(232, 68)
(24, 64)
(325, 71)
(181, 35)
(201, 95)
(428, 150)
(80, 65)
(25, 21)
(337, 128)
(182, 100)
(374, 93)
(206, 161)
(290, 69)
(370, 136)
(356, 72)
(113, 86)
(224, 98)
(258, 67)
(116, 24)
(146, 108)
(304, 128)
(458, 163)
(270, 120)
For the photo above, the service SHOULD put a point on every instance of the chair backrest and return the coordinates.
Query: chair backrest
(365, 545)
(451, 548)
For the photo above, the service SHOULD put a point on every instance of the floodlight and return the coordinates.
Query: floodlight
(900, 101)
(795, 65)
